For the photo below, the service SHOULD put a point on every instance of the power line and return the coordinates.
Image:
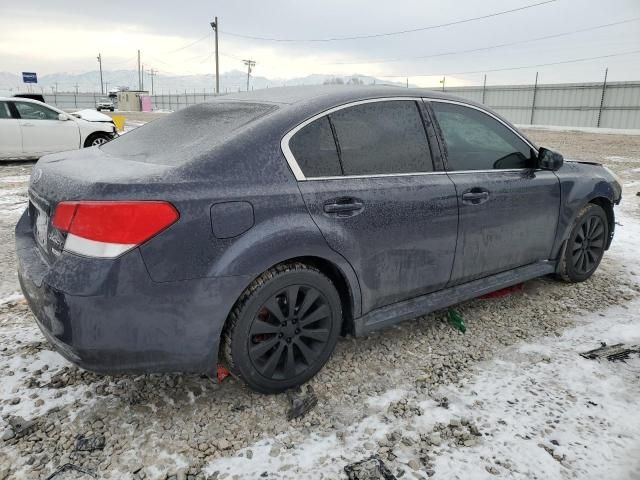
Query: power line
(189, 44)
(633, 52)
(501, 45)
(388, 34)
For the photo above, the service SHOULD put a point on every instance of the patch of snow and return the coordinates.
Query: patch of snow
(15, 179)
(11, 298)
(562, 128)
(544, 411)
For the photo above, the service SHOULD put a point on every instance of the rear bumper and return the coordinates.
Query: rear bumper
(109, 316)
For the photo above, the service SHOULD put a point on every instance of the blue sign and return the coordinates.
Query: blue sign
(29, 77)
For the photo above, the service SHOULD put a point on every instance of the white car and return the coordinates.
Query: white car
(30, 129)
(105, 104)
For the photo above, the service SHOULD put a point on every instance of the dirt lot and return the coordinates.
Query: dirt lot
(510, 398)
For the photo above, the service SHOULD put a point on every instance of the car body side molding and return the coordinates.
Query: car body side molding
(408, 309)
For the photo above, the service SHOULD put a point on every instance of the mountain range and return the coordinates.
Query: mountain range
(229, 81)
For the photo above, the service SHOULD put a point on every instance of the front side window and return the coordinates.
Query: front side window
(382, 138)
(33, 111)
(4, 110)
(315, 150)
(476, 141)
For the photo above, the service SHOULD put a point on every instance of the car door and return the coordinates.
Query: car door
(367, 177)
(10, 136)
(43, 132)
(508, 208)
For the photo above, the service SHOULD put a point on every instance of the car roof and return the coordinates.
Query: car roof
(21, 99)
(333, 94)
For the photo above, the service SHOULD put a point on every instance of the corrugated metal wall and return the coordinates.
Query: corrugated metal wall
(568, 104)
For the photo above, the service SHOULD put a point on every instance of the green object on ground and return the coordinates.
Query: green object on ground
(456, 320)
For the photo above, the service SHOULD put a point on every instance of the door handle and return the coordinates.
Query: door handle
(343, 206)
(27, 125)
(475, 196)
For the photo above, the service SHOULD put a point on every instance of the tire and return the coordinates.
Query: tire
(96, 139)
(581, 258)
(272, 348)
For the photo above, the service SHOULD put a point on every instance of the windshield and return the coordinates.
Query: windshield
(181, 136)
(106, 100)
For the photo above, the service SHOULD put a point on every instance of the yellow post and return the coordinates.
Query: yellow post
(119, 120)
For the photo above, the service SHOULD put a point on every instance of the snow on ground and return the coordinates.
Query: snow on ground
(563, 128)
(544, 411)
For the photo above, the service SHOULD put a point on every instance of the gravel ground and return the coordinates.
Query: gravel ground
(373, 396)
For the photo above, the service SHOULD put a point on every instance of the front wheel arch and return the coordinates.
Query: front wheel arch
(89, 142)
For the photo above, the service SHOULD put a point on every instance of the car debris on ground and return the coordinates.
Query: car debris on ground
(618, 352)
(372, 468)
(302, 401)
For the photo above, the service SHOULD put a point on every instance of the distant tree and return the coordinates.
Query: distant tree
(333, 81)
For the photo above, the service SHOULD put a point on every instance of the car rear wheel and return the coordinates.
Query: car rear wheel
(96, 139)
(586, 244)
(283, 328)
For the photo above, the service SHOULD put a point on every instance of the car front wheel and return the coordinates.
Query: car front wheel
(586, 244)
(97, 139)
(283, 328)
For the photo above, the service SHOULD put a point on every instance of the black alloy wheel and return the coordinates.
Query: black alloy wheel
(283, 328)
(586, 244)
(289, 332)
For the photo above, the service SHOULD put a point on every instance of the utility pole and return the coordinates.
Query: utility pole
(99, 57)
(76, 86)
(214, 25)
(249, 64)
(139, 77)
(407, 82)
(106, 86)
(142, 73)
(604, 89)
(442, 82)
(484, 88)
(533, 102)
(152, 73)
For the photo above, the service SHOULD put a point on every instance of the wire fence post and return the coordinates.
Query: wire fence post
(604, 89)
(533, 102)
(484, 88)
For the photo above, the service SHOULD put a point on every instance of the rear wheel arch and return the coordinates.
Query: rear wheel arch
(238, 325)
(349, 294)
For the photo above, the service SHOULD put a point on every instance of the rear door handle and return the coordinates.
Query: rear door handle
(475, 196)
(343, 206)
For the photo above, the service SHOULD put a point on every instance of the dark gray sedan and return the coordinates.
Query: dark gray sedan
(257, 228)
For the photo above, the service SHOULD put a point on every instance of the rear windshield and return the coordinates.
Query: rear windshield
(177, 138)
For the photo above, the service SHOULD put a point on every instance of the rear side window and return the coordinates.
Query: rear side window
(4, 110)
(382, 138)
(477, 141)
(315, 150)
(182, 136)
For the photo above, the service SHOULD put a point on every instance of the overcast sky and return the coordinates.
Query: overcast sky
(66, 35)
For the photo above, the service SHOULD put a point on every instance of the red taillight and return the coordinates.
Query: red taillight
(107, 229)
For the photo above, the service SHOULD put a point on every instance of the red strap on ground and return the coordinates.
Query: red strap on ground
(503, 292)
(222, 373)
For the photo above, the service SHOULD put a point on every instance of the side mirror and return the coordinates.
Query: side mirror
(63, 117)
(549, 160)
